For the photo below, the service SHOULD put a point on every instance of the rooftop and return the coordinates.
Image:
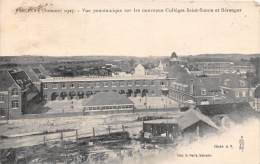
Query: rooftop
(191, 117)
(6, 80)
(162, 121)
(107, 98)
(101, 78)
(21, 78)
(237, 111)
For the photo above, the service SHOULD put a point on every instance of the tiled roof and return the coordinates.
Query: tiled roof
(107, 98)
(21, 78)
(191, 117)
(101, 78)
(233, 81)
(181, 75)
(237, 111)
(29, 71)
(211, 84)
(6, 80)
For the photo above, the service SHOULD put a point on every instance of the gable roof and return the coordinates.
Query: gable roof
(6, 80)
(236, 111)
(139, 66)
(30, 72)
(21, 78)
(211, 84)
(191, 117)
(107, 98)
(233, 81)
(181, 75)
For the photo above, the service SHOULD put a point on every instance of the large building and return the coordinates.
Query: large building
(16, 92)
(217, 67)
(235, 86)
(188, 87)
(59, 88)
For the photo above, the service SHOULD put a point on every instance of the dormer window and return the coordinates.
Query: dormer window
(14, 92)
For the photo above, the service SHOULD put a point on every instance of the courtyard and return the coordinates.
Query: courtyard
(70, 106)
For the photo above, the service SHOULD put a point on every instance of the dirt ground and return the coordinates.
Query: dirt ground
(70, 106)
(84, 125)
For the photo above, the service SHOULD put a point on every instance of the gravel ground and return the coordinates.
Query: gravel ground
(84, 125)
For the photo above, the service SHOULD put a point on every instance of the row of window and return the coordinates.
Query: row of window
(203, 92)
(14, 103)
(98, 84)
(241, 94)
(178, 87)
(227, 82)
(14, 92)
(111, 107)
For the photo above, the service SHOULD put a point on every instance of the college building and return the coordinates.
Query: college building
(16, 92)
(60, 88)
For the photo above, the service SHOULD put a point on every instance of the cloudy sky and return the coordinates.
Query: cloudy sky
(135, 34)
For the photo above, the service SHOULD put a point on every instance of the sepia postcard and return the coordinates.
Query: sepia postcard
(129, 82)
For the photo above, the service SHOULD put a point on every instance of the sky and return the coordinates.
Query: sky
(134, 34)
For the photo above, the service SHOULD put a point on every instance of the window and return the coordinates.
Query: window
(243, 93)
(129, 83)
(54, 86)
(137, 83)
(122, 83)
(113, 84)
(45, 97)
(258, 104)
(97, 84)
(251, 93)
(2, 98)
(45, 86)
(15, 104)
(72, 85)
(14, 92)
(191, 89)
(152, 82)
(105, 84)
(63, 86)
(203, 92)
(143, 82)
(237, 94)
(81, 85)
(88, 85)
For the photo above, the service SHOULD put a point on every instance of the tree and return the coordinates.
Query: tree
(132, 63)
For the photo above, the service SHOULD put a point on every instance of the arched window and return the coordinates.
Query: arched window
(14, 92)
